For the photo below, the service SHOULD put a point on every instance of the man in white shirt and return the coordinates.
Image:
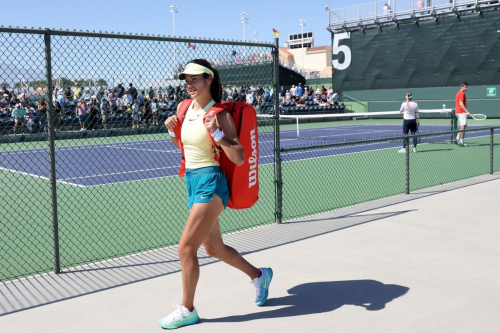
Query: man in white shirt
(293, 91)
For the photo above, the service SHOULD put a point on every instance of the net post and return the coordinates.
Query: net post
(52, 158)
(492, 169)
(278, 180)
(298, 127)
(407, 165)
(453, 125)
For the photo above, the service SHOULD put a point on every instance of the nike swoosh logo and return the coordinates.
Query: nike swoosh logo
(265, 283)
(204, 197)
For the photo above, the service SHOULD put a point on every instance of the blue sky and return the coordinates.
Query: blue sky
(197, 18)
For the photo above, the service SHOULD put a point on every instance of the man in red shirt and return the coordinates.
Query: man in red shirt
(461, 112)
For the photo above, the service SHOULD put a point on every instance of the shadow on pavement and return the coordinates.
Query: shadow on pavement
(319, 297)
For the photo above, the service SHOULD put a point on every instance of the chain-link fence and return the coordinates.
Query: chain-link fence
(89, 172)
(318, 178)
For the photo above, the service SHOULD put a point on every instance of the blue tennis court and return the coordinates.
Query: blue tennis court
(108, 163)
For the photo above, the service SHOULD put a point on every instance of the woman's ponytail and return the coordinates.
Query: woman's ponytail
(216, 87)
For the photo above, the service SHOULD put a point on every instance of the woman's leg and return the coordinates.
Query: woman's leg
(200, 222)
(216, 248)
(406, 129)
(413, 130)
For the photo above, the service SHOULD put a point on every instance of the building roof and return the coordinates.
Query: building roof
(319, 48)
(285, 50)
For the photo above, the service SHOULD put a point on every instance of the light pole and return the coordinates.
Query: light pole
(255, 36)
(173, 10)
(244, 21)
(302, 24)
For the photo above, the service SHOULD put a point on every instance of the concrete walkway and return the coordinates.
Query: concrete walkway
(426, 262)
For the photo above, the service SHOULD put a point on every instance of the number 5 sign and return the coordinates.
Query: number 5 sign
(337, 49)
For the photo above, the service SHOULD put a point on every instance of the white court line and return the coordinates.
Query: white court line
(120, 173)
(37, 176)
(297, 160)
(161, 151)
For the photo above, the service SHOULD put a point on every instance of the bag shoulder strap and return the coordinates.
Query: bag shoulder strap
(213, 111)
(183, 109)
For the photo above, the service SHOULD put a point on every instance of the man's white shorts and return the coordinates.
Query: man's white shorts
(462, 119)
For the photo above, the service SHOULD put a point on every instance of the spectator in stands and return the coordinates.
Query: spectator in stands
(146, 113)
(141, 99)
(299, 90)
(133, 91)
(151, 93)
(25, 93)
(335, 98)
(42, 114)
(18, 114)
(155, 109)
(293, 91)
(300, 101)
(104, 112)
(229, 92)
(119, 90)
(93, 113)
(99, 94)
(4, 91)
(58, 114)
(112, 98)
(25, 102)
(135, 114)
(86, 96)
(171, 94)
(30, 120)
(288, 96)
(127, 99)
(5, 102)
(282, 94)
(60, 98)
(250, 97)
(77, 92)
(81, 113)
(259, 94)
(310, 91)
(420, 4)
(68, 94)
(267, 94)
(317, 99)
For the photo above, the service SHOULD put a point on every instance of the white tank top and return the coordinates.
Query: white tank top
(198, 150)
(410, 110)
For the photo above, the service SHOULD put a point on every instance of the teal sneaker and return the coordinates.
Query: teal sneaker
(262, 286)
(180, 317)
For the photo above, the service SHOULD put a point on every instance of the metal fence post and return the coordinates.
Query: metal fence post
(407, 164)
(491, 150)
(52, 158)
(277, 148)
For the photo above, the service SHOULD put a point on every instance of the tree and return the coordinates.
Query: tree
(102, 82)
(5, 84)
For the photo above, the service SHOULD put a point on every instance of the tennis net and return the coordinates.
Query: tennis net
(358, 126)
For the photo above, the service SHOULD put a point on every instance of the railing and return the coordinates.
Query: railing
(388, 10)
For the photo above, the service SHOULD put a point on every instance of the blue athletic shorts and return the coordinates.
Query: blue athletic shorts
(203, 183)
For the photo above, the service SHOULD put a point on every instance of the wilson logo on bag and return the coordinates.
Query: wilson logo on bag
(243, 181)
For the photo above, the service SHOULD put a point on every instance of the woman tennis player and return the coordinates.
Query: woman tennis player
(207, 189)
(409, 109)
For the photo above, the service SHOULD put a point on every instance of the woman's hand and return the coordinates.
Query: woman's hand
(171, 122)
(210, 123)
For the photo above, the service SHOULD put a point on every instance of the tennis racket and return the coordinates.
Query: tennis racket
(478, 116)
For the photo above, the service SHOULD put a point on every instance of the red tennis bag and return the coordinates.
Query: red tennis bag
(243, 181)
